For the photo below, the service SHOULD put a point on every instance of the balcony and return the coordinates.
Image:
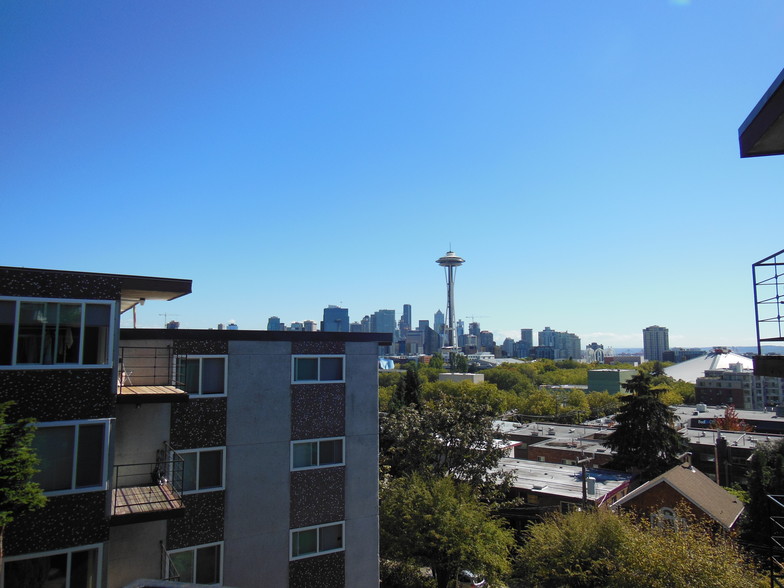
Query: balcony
(148, 491)
(148, 375)
(768, 277)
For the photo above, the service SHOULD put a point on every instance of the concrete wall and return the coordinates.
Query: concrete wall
(134, 551)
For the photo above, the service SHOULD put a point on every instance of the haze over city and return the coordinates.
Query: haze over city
(581, 157)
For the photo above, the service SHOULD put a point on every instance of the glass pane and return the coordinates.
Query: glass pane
(89, 457)
(305, 368)
(330, 537)
(32, 318)
(7, 320)
(208, 565)
(189, 471)
(39, 572)
(304, 455)
(188, 375)
(331, 369)
(55, 448)
(183, 566)
(331, 452)
(210, 469)
(68, 333)
(96, 334)
(84, 568)
(212, 372)
(304, 542)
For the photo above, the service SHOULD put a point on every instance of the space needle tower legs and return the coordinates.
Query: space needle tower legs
(450, 262)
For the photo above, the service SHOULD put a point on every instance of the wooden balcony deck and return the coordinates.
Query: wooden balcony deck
(143, 394)
(145, 503)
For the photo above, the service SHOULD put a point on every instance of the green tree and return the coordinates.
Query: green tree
(645, 440)
(766, 476)
(18, 465)
(409, 390)
(459, 363)
(440, 523)
(437, 361)
(451, 436)
(602, 403)
(600, 548)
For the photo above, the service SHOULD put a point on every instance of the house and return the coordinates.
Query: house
(684, 486)
(244, 458)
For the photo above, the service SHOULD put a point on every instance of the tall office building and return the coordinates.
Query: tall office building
(382, 321)
(274, 324)
(460, 328)
(655, 341)
(335, 319)
(558, 345)
(405, 320)
(474, 329)
(438, 321)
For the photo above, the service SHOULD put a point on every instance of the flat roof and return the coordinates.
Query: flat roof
(561, 480)
(762, 133)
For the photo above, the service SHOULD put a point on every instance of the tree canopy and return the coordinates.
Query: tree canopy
(645, 440)
(440, 523)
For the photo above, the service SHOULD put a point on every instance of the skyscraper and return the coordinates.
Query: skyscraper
(382, 321)
(274, 324)
(438, 321)
(405, 320)
(655, 341)
(335, 319)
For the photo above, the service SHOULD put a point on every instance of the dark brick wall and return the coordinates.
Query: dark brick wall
(198, 423)
(202, 523)
(317, 496)
(201, 347)
(318, 410)
(323, 571)
(48, 284)
(65, 521)
(59, 395)
(318, 347)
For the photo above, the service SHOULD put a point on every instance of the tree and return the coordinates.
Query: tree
(437, 361)
(645, 440)
(409, 389)
(18, 465)
(601, 548)
(440, 523)
(459, 363)
(766, 476)
(731, 421)
(450, 436)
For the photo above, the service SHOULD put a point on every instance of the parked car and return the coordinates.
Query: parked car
(466, 579)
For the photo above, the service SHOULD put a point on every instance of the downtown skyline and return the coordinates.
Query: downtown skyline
(582, 158)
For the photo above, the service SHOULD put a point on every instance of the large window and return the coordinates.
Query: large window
(317, 453)
(74, 568)
(200, 565)
(310, 541)
(35, 332)
(318, 368)
(202, 374)
(73, 456)
(204, 469)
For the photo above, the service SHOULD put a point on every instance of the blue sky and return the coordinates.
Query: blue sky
(581, 156)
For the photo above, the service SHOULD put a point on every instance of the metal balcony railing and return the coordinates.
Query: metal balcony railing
(149, 374)
(148, 491)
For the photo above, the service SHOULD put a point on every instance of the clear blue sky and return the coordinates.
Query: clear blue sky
(581, 156)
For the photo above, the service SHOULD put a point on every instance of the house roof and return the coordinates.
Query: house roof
(698, 489)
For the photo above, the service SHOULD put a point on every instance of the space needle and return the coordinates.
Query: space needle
(450, 262)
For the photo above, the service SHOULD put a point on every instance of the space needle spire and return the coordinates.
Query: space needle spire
(450, 262)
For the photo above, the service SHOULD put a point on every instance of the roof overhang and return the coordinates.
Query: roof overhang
(138, 289)
(762, 133)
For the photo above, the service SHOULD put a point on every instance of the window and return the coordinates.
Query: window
(318, 368)
(201, 564)
(73, 456)
(73, 568)
(36, 332)
(202, 374)
(317, 453)
(204, 469)
(310, 541)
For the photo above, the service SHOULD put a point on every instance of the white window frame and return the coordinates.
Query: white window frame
(69, 551)
(318, 442)
(194, 549)
(222, 486)
(59, 366)
(104, 462)
(318, 551)
(318, 379)
(201, 394)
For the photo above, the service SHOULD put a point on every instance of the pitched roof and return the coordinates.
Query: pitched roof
(698, 489)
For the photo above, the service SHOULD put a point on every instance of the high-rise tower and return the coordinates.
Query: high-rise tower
(655, 341)
(450, 262)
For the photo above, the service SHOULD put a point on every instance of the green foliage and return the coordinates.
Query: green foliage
(644, 440)
(459, 363)
(385, 394)
(600, 548)
(386, 379)
(602, 404)
(398, 574)
(429, 374)
(766, 476)
(500, 401)
(437, 361)
(450, 436)
(440, 523)
(408, 391)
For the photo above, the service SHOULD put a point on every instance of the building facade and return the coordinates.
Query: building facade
(185, 454)
(335, 320)
(655, 341)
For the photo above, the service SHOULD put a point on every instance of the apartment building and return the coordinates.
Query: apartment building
(244, 458)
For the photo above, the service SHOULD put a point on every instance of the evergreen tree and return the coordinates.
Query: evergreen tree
(645, 440)
(409, 390)
(18, 493)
